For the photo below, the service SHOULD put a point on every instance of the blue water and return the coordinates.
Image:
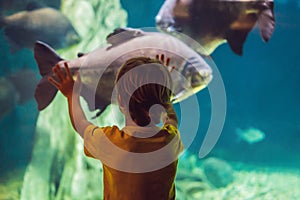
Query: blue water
(262, 89)
(17, 127)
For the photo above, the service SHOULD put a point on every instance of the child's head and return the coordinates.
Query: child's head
(142, 88)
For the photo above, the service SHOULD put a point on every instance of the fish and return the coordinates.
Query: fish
(214, 22)
(17, 5)
(24, 28)
(16, 89)
(250, 135)
(98, 68)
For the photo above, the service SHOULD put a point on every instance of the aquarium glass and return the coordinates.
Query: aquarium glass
(241, 133)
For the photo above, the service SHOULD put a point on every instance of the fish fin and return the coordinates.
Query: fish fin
(44, 93)
(100, 112)
(46, 58)
(25, 82)
(34, 5)
(266, 21)
(120, 35)
(237, 34)
(236, 39)
(97, 104)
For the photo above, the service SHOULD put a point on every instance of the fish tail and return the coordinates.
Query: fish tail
(45, 58)
(266, 21)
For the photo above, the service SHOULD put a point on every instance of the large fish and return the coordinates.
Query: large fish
(213, 22)
(24, 28)
(98, 68)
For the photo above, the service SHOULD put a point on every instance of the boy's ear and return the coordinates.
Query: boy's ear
(119, 100)
(120, 104)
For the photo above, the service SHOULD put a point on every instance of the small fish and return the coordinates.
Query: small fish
(250, 135)
(24, 28)
(104, 63)
(213, 22)
(16, 89)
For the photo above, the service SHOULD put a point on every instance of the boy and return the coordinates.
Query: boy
(140, 160)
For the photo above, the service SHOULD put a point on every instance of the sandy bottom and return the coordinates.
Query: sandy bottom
(266, 184)
(258, 184)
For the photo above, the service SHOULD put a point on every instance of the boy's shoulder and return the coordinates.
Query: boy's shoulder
(171, 129)
(112, 130)
(107, 130)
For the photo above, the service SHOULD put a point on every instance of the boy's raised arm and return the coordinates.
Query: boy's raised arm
(65, 83)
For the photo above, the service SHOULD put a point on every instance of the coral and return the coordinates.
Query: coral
(58, 168)
(218, 172)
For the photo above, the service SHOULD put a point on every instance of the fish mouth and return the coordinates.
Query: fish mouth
(197, 81)
(200, 80)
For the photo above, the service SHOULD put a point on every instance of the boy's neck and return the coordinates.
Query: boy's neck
(129, 122)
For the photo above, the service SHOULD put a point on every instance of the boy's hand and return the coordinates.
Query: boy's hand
(161, 58)
(64, 82)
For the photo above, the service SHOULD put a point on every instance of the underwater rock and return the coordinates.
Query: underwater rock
(191, 188)
(98, 19)
(189, 169)
(11, 184)
(58, 168)
(218, 172)
(190, 179)
(184, 175)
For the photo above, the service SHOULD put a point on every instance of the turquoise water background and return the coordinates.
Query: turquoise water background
(262, 89)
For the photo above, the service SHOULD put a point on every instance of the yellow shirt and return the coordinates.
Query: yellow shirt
(138, 163)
